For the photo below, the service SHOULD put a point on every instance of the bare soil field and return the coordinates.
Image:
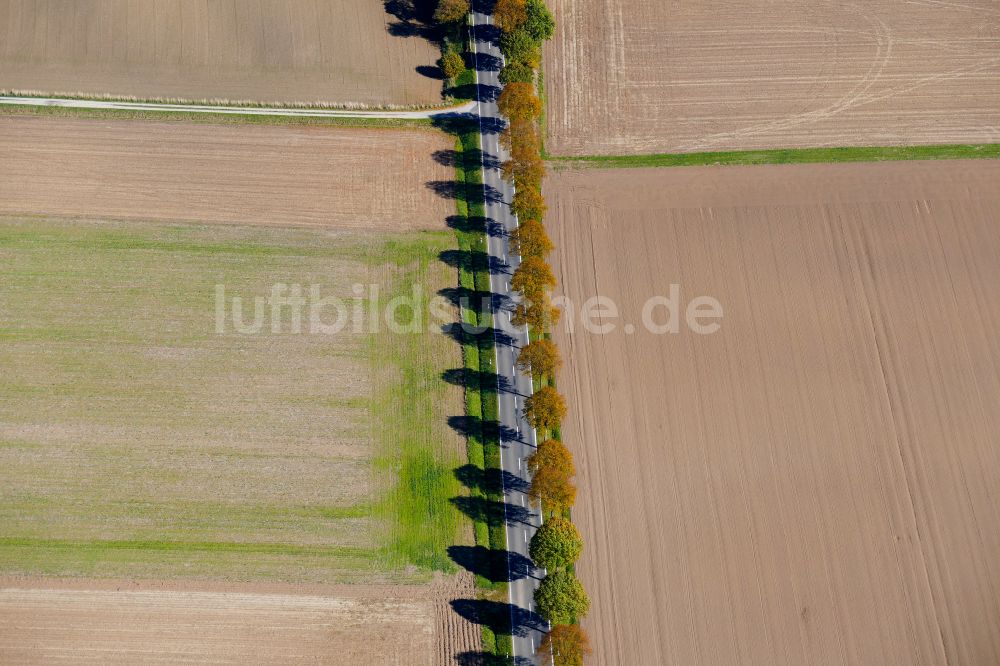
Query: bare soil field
(246, 174)
(310, 51)
(647, 76)
(101, 622)
(816, 482)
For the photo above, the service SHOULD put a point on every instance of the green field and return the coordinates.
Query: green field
(136, 441)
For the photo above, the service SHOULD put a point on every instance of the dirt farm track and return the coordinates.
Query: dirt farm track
(649, 76)
(816, 483)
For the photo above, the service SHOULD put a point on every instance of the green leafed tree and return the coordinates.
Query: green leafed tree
(517, 72)
(561, 599)
(451, 11)
(452, 64)
(556, 545)
(539, 23)
(520, 46)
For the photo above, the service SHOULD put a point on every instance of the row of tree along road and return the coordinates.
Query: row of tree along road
(557, 545)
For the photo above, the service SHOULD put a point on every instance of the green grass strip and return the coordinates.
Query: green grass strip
(189, 546)
(784, 156)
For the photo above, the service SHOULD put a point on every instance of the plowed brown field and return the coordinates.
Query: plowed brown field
(121, 622)
(647, 76)
(816, 482)
(330, 51)
(294, 175)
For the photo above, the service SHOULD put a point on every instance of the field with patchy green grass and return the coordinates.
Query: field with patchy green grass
(136, 441)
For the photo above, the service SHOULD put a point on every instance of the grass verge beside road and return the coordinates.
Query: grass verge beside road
(479, 359)
(781, 156)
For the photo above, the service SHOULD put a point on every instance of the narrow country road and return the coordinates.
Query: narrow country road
(518, 439)
(288, 112)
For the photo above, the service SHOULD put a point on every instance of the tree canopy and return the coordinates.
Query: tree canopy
(519, 102)
(451, 11)
(566, 645)
(517, 72)
(521, 135)
(545, 409)
(510, 15)
(518, 46)
(553, 454)
(538, 313)
(532, 277)
(452, 64)
(540, 357)
(538, 23)
(527, 171)
(528, 204)
(531, 240)
(554, 489)
(556, 545)
(561, 599)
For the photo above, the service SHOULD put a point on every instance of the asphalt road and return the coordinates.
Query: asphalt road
(518, 438)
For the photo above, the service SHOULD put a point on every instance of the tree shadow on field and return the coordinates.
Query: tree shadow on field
(490, 483)
(469, 426)
(464, 333)
(487, 659)
(468, 159)
(476, 223)
(431, 72)
(502, 618)
(493, 512)
(468, 378)
(413, 18)
(461, 123)
(489, 33)
(496, 566)
(476, 194)
(475, 261)
(483, 62)
(480, 92)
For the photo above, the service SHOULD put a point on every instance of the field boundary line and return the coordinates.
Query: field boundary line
(780, 156)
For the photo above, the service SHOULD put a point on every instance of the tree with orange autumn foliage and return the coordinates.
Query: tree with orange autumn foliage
(531, 240)
(566, 645)
(519, 102)
(540, 357)
(545, 409)
(511, 15)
